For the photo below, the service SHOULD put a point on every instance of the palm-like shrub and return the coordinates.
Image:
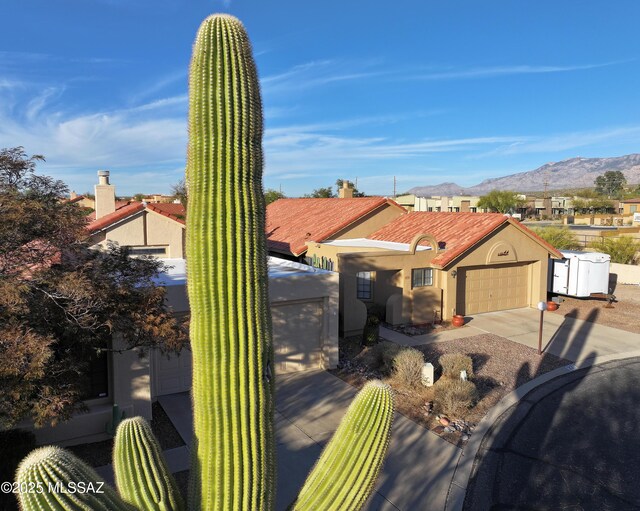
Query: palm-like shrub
(559, 237)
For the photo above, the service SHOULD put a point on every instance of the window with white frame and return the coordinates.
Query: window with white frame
(421, 277)
(364, 285)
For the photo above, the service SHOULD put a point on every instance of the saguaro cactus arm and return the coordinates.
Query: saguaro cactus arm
(60, 480)
(346, 471)
(142, 476)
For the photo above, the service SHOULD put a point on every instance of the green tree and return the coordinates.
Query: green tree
(60, 301)
(559, 237)
(321, 193)
(501, 201)
(622, 250)
(271, 195)
(611, 183)
(139, 197)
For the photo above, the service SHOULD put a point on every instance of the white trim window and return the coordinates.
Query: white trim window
(364, 285)
(421, 277)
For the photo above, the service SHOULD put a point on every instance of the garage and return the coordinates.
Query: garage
(304, 310)
(493, 288)
(297, 336)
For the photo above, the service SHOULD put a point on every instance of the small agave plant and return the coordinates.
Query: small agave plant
(233, 456)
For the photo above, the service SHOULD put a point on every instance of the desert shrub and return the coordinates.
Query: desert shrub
(407, 366)
(559, 237)
(383, 353)
(454, 397)
(15, 444)
(377, 310)
(453, 363)
(622, 250)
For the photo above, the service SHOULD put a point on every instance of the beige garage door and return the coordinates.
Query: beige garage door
(493, 288)
(297, 334)
(171, 374)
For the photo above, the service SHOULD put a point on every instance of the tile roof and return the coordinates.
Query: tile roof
(630, 201)
(119, 214)
(168, 209)
(126, 209)
(292, 222)
(458, 232)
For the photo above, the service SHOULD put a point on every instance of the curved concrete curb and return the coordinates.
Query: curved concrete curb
(464, 465)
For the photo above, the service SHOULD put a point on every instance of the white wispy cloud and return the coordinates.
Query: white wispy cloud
(495, 71)
(330, 71)
(559, 142)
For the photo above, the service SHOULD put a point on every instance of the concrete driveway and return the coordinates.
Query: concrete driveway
(309, 406)
(572, 339)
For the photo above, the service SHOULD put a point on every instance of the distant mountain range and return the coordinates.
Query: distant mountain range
(572, 173)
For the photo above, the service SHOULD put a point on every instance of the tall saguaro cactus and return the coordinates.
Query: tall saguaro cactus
(233, 461)
(233, 465)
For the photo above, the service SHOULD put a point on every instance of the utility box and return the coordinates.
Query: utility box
(579, 274)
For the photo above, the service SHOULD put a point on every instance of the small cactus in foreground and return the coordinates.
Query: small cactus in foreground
(344, 476)
(142, 476)
(50, 477)
(233, 456)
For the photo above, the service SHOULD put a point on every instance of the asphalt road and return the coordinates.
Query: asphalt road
(571, 444)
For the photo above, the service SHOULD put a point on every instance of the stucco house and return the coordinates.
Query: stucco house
(304, 308)
(418, 266)
(156, 229)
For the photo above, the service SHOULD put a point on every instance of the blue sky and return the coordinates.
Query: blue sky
(427, 91)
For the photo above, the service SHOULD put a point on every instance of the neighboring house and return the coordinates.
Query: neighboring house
(630, 206)
(417, 266)
(304, 308)
(441, 203)
(291, 223)
(147, 229)
(82, 201)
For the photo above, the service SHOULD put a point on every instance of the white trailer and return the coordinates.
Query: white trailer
(580, 274)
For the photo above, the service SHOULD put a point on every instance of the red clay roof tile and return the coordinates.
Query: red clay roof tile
(292, 222)
(168, 209)
(456, 232)
(116, 216)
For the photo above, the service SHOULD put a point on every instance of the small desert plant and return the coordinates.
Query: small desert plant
(407, 366)
(383, 353)
(453, 363)
(454, 397)
(622, 250)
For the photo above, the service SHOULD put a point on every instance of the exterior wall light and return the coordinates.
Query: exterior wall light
(454, 273)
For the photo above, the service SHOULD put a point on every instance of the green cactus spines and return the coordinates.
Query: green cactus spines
(233, 456)
(53, 478)
(142, 476)
(346, 471)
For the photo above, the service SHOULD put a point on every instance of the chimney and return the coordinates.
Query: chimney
(345, 192)
(73, 195)
(105, 195)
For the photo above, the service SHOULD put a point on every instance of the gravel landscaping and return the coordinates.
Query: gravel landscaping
(499, 367)
(623, 313)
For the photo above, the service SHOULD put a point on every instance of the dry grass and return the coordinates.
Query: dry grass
(499, 367)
